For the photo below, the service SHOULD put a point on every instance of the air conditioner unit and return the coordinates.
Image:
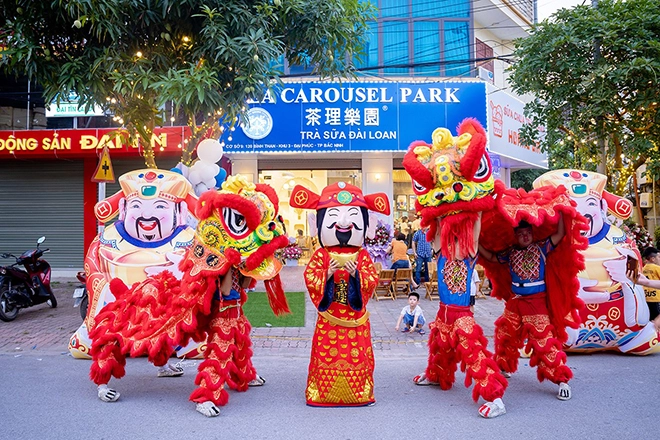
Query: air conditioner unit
(486, 74)
(641, 175)
(646, 200)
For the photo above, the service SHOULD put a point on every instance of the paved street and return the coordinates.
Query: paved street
(47, 394)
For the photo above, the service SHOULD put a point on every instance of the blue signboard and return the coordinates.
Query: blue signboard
(354, 117)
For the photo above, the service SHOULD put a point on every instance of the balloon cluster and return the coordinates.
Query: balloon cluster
(205, 173)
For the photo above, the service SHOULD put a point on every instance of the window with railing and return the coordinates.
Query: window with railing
(419, 38)
(525, 8)
(484, 52)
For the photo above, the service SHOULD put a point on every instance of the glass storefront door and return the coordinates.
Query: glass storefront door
(301, 222)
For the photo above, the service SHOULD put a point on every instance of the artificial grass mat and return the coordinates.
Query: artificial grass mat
(259, 313)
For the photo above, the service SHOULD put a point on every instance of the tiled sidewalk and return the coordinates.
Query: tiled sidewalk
(296, 341)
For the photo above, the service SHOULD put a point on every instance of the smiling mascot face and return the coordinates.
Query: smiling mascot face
(342, 210)
(343, 225)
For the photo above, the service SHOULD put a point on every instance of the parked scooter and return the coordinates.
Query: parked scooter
(25, 288)
(80, 295)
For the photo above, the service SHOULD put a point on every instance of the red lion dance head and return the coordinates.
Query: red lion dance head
(239, 226)
(453, 180)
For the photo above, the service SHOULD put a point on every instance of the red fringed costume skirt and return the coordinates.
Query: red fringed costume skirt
(455, 336)
(526, 317)
(228, 355)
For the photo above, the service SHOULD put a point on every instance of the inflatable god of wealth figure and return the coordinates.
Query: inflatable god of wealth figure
(151, 235)
(616, 316)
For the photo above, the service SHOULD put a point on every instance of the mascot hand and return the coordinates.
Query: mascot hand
(175, 259)
(617, 270)
(633, 296)
(591, 296)
(350, 267)
(332, 268)
(635, 310)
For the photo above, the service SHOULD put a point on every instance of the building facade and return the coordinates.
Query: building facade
(428, 64)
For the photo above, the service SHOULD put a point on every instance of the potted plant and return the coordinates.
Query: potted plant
(378, 244)
(292, 254)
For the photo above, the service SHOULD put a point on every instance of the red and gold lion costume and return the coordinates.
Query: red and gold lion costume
(236, 238)
(453, 181)
(540, 208)
(457, 196)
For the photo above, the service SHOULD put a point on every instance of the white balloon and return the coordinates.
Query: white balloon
(214, 170)
(194, 177)
(209, 182)
(200, 188)
(208, 171)
(209, 150)
(197, 166)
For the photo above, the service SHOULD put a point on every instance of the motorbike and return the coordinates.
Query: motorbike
(22, 288)
(80, 295)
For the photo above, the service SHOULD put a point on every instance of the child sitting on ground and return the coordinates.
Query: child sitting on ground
(412, 315)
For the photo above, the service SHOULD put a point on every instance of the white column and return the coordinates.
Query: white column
(505, 176)
(377, 175)
(248, 167)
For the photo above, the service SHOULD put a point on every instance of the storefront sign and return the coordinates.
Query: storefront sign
(71, 109)
(364, 116)
(505, 118)
(84, 143)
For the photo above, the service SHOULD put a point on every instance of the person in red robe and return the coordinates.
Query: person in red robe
(340, 278)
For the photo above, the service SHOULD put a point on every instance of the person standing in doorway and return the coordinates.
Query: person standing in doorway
(423, 255)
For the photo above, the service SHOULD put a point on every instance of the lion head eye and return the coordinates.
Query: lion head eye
(235, 222)
(418, 188)
(484, 171)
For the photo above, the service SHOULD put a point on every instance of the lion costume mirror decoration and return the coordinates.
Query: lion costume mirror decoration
(616, 316)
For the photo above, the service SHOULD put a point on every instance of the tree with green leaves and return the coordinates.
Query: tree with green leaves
(525, 178)
(206, 58)
(595, 75)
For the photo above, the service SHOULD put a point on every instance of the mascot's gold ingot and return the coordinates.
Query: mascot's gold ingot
(130, 267)
(342, 259)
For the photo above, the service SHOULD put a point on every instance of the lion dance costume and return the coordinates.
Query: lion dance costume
(342, 361)
(453, 181)
(235, 240)
(539, 283)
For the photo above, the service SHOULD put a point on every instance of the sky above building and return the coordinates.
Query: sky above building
(546, 8)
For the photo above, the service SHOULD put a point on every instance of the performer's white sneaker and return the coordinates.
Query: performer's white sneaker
(208, 409)
(257, 381)
(564, 391)
(506, 374)
(170, 370)
(107, 394)
(492, 409)
(422, 380)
